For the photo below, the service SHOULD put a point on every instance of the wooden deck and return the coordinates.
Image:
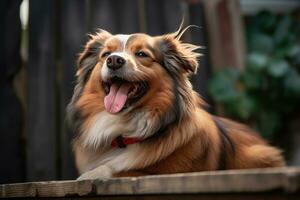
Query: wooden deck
(276, 183)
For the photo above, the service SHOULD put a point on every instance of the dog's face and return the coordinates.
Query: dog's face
(119, 74)
(130, 71)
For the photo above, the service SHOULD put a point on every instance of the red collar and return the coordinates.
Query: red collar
(122, 142)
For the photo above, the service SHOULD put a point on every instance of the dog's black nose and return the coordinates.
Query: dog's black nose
(115, 62)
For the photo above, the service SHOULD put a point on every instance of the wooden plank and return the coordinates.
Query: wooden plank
(114, 16)
(173, 13)
(199, 37)
(263, 196)
(272, 196)
(163, 16)
(73, 30)
(225, 31)
(214, 40)
(232, 33)
(127, 17)
(11, 167)
(282, 181)
(154, 17)
(258, 196)
(41, 127)
(102, 15)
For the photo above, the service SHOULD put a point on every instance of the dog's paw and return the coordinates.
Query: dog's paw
(101, 172)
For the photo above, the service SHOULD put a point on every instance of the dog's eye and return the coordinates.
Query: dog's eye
(106, 54)
(141, 54)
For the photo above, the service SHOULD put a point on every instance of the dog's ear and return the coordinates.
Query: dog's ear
(177, 55)
(89, 57)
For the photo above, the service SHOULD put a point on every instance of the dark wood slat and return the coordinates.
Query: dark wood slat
(154, 17)
(173, 13)
(114, 15)
(11, 167)
(127, 16)
(226, 33)
(73, 25)
(199, 37)
(41, 132)
(163, 16)
(103, 15)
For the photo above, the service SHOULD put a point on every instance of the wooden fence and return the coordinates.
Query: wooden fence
(34, 141)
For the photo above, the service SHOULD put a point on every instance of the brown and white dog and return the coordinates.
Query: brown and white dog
(135, 113)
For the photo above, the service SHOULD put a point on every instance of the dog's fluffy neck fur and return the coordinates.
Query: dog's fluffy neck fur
(105, 126)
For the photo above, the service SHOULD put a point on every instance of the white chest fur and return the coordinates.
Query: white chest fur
(105, 127)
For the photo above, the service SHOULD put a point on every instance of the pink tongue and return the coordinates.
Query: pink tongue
(116, 99)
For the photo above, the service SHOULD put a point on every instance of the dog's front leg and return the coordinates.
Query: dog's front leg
(101, 172)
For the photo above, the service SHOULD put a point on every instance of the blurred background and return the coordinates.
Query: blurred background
(249, 71)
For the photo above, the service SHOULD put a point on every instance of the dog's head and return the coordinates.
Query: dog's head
(120, 73)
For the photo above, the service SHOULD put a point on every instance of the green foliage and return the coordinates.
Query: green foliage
(267, 91)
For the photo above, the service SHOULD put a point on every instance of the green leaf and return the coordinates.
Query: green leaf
(222, 86)
(266, 21)
(268, 123)
(292, 84)
(294, 55)
(296, 27)
(257, 61)
(296, 62)
(283, 52)
(282, 32)
(241, 108)
(278, 68)
(251, 80)
(294, 51)
(261, 42)
(245, 107)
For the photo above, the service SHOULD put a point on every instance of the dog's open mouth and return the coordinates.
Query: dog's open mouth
(121, 93)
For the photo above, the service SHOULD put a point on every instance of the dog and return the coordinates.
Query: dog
(135, 113)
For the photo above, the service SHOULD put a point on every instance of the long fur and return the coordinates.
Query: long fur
(178, 134)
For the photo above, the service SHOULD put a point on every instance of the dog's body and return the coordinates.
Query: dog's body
(136, 113)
